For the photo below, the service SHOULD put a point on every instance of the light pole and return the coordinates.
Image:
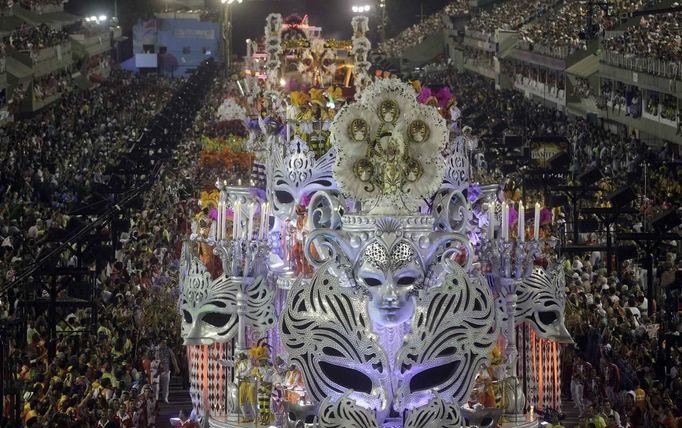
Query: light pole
(227, 33)
(382, 27)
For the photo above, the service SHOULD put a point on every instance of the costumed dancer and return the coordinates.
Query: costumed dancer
(247, 391)
(264, 373)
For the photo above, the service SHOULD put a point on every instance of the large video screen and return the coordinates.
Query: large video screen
(146, 60)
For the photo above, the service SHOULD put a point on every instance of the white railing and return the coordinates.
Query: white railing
(649, 65)
(560, 52)
(480, 35)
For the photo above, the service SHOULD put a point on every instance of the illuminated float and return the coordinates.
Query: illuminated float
(367, 282)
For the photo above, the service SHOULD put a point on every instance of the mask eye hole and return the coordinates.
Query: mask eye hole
(548, 317)
(188, 318)
(216, 319)
(372, 281)
(431, 378)
(347, 378)
(284, 197)
(406, 280)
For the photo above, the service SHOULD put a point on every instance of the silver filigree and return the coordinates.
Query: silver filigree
(436, 414)
(453, 331)
(327, 334)
(541, 300)
(209, 307)
(451, 211)
(345, 413)
(298, 173)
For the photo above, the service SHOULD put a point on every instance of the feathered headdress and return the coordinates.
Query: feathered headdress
(317, 97)
(335, 93)
(299, 98)
(424, 94)
(261, 351)
(444, 95)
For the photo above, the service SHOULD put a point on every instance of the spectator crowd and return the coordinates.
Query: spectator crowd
(564, 30)
(42, 6)
(32, 39)
(415, 34)
(656, 36)
(115, 372)
(625, 369)
(509, 15)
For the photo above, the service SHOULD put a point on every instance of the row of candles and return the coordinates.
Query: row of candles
(238, 231)
(505, 221)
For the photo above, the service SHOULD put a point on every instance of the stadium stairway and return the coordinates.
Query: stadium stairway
(178, 399)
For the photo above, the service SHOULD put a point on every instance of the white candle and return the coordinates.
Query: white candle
(236, 225)
(224, 214)
(249, 232)
(505, 221)
(522, 222)
(239, 182)
(536, 224)
(219, 221)
(263, 221)
(217, 232)
(491, 220)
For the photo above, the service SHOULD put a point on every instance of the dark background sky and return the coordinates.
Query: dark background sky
(249, 17)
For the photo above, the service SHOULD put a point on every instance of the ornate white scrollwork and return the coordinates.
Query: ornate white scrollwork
(451, 211)
(436, 414)
(327, 333)
(453, 331)
(325, 210)
(345, 413)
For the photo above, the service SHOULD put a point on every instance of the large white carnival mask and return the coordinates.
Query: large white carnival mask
(389, 149)
(326, 329)
(297, 173)
(541, 300)
(209, 307)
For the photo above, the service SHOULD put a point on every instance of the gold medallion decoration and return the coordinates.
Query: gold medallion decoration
(358, 130)
(388, 111)
(418, 131)
(388, 149)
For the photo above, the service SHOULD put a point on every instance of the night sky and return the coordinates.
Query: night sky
(249, 17)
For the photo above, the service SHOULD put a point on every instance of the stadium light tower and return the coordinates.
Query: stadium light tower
(227, 31)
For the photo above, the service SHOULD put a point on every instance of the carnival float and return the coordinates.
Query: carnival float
(351, 265)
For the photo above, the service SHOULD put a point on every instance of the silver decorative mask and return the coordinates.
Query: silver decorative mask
(296, 174)
(541, 301)
(209, 307)
(390, 274)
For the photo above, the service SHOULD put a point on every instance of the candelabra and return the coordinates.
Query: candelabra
(511, 261)
(243, 252)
